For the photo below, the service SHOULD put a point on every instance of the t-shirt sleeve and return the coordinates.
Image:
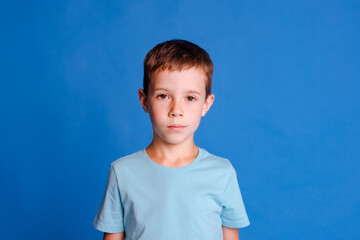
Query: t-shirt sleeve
(233, 213)
(109, 217)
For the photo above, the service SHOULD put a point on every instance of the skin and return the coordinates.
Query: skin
(175, 97)
(230, 233)
(114, 236)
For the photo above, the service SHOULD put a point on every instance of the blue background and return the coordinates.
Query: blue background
(286, 112)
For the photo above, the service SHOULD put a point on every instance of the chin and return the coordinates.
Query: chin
(174, 141)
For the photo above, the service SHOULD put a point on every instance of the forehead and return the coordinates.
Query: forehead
(186, 79)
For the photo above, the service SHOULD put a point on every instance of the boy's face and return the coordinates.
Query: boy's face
(176, 102)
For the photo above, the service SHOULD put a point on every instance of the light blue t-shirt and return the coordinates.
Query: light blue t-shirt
(150, 201)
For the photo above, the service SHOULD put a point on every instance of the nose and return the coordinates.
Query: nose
(176, 110)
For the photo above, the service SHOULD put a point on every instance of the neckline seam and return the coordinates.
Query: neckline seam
(171, 170)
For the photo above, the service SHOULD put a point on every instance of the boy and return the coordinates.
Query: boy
(173, 189)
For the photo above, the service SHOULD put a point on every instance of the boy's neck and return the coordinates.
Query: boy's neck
(172, 155)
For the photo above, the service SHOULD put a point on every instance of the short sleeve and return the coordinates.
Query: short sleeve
(109, 217)
(233, 213)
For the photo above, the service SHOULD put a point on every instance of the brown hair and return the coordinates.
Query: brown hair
(177, 55)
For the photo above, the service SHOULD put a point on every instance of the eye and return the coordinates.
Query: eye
(162, 96)
(190, 98)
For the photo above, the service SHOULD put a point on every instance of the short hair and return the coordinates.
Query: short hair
(178, 55)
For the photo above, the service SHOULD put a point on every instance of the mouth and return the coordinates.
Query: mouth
(176, 127)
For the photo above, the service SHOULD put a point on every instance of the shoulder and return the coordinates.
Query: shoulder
(126, 161)
(216, 161)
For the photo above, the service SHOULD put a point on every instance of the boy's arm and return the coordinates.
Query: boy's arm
(113, 236)
(230, 233)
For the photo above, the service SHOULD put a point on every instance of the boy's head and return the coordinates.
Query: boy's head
(177, 90)
(177, 55)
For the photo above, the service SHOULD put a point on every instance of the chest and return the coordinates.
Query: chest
(163, 195)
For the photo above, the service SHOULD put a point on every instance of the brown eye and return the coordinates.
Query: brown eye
(162, 96)
(190, 98)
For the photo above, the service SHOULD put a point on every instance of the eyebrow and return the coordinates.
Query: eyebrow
(167, 90)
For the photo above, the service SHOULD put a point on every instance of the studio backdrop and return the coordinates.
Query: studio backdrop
(286, 112)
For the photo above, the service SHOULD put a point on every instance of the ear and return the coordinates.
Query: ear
(143, 100)
(207, 104)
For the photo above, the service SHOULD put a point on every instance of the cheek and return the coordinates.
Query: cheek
(195, 122)
(156, 113)
(196, 110)
(195, 115)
